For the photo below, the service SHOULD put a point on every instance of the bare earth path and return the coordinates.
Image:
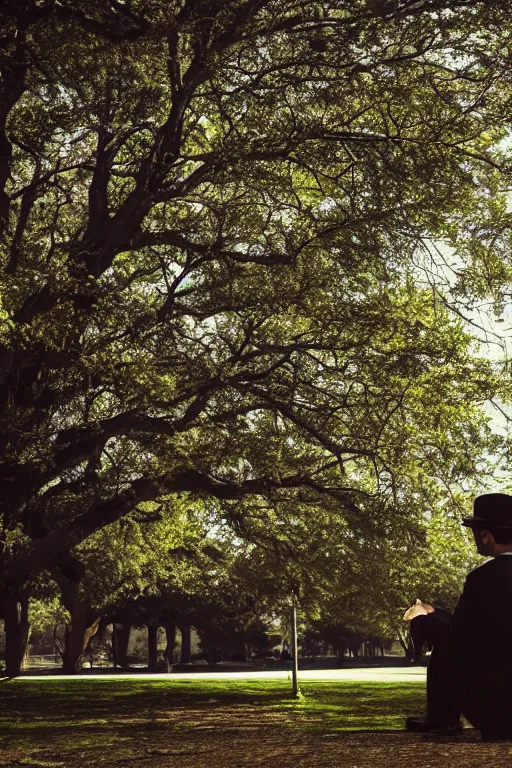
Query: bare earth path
(347, 718)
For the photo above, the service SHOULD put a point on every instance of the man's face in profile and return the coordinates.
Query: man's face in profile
(484, 541)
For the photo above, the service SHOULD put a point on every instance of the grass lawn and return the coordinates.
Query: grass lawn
(123, 722)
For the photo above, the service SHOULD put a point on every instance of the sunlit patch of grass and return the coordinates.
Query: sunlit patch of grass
(356, 706)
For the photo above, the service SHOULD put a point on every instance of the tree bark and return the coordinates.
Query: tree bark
(74, 649)
(58, 647)
(152, 647)
(79, 634)
(186, 643)
(120, 642)
(82, 628)
(114, 644)
(24, 661)
(170, 635)
(17, 630)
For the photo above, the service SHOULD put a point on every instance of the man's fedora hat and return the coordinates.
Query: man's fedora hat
(491, 510)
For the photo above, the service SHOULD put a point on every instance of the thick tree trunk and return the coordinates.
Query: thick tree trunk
(239, 650)
(120, 643)
(24, 662)
(75, 635)
(170, 636)
(82, 628)
(17, 630)
(56, 645)
(79, 634)
(101, 634)
(186, 642)
(114, 645)
(152, 647)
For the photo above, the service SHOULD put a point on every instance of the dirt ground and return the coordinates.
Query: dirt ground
(237, 745)
(105, 727)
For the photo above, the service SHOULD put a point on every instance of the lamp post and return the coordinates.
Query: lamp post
(295, 649)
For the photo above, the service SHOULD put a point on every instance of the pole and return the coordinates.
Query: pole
(295, 650)
(114, 644)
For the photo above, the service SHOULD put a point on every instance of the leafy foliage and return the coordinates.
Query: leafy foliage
(210, 214)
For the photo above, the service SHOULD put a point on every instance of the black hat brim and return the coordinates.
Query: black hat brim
(481, 522)
(474, 522)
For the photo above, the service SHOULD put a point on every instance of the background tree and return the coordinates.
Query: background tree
(136, 572)
(372, 582)
(47, 618)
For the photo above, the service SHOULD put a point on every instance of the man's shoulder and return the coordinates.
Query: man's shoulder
(495, 567)
(482, 570)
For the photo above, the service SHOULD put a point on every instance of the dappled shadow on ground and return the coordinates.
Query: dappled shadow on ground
(77, 725)
(200, 747)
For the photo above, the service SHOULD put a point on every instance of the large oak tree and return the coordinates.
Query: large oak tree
(209, 214)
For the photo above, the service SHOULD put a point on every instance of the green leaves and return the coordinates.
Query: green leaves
(210, 281)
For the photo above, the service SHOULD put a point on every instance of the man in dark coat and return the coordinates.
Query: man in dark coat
(470, 669)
